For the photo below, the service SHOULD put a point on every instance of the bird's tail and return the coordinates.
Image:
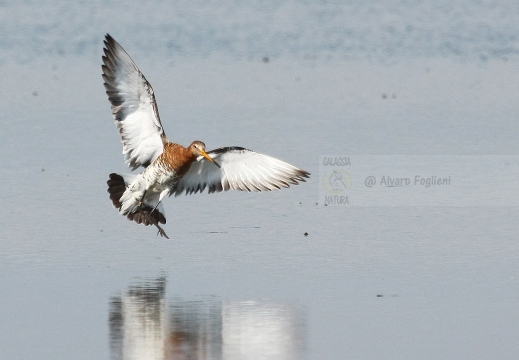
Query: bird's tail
(127, 192)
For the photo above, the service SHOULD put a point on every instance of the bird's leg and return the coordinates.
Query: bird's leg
(142, 198)
(155, 207)
(161, 196)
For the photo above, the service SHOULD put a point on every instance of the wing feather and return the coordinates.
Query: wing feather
(240, 169)
(133, 106)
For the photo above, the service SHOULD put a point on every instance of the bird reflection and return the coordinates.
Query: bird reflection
(143, 325)
(138, 321)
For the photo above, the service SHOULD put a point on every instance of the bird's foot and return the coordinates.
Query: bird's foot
(161, 232)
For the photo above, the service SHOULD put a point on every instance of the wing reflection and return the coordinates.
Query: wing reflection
(143, 325)
(138, 322)
(262, 330)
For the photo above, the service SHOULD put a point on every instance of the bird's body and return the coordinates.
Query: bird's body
(163, 174)
(172, 168)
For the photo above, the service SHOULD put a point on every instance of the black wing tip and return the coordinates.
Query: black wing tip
(108, 55)
(304, 173)
(111, 46)
(227, 149)
(109, 40)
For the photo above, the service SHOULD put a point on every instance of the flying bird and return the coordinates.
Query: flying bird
(171, 168)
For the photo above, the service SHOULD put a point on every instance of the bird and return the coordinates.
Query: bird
(170, 168)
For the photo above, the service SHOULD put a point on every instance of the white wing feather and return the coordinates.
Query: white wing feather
(133, 106)
(240, 169)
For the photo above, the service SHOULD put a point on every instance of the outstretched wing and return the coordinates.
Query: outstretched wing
(240, 169)
(133, 106)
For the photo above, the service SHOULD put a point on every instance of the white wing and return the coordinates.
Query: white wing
(133, 106)
(240, 169)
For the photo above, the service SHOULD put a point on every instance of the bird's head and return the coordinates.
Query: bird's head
(197, 148)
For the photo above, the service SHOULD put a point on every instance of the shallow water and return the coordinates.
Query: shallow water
(239, 279)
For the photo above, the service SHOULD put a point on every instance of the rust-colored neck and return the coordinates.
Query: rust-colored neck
(178, 158)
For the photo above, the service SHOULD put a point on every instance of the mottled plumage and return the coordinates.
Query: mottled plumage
(170, 168)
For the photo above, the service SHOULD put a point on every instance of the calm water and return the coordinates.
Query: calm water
(239, 279)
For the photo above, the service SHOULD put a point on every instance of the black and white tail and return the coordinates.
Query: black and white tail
(124, 191)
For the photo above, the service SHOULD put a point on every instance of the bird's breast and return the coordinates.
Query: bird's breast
(167, 170)
(160, 177)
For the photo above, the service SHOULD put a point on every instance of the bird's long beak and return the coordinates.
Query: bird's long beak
(204, 154)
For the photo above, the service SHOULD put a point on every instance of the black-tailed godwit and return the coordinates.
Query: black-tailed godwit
(170, 168)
